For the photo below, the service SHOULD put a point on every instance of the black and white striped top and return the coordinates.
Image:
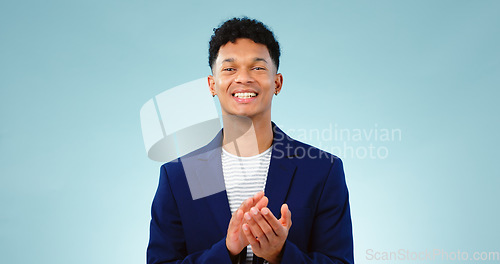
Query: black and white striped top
(244, 177)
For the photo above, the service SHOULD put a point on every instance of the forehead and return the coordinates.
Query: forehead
(242, 49)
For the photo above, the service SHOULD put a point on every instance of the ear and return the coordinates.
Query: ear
(278, 82)
(211, 84)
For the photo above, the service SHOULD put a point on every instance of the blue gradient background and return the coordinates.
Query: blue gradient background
(75, 182)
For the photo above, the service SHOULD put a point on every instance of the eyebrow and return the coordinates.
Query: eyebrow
(228, 60)
(255, 59)
(260, 59)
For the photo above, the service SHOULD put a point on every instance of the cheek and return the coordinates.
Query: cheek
(270, 87)
(223, 84)
(267, 81)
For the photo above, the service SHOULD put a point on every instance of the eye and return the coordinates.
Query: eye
(228, 69)
(259, 68)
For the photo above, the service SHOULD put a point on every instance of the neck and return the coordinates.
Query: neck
(245, 137)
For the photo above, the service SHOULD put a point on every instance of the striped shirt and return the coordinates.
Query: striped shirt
(244, 177)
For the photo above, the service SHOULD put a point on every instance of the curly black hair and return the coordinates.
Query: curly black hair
(243, 27)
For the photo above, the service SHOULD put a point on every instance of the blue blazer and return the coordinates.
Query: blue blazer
(310, 181)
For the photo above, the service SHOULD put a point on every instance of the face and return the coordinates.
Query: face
(245, 79)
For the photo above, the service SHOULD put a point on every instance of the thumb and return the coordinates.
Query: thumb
(286, 216)
(235, 221)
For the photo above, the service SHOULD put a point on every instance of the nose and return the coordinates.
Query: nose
(243, 76)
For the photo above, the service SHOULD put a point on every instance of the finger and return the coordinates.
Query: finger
(262, 203)
(274, 223)
(251, 201)
(286, 216)
(255, 227)
(263, 224)
(246, 205)
(258, 196)
(252, 240)
(235, 221)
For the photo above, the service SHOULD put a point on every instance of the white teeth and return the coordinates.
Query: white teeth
(245, 95)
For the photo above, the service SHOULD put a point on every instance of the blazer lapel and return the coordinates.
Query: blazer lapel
(280, 175)
(209, 168)
(281, 171)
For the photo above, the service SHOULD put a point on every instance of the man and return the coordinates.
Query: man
(241, 224)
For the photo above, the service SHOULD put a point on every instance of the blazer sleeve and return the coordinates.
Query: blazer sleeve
(331, 237)
(167, 243)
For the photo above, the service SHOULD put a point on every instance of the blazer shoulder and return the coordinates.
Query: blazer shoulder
(309, 153)
(191, 159)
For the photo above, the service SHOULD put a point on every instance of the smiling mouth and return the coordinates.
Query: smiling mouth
(245, 95)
